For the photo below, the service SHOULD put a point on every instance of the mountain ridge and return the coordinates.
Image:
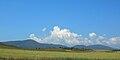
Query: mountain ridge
(4, 46)
(94, 47)
(31, 44)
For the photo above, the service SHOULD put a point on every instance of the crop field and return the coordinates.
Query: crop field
(16, 54)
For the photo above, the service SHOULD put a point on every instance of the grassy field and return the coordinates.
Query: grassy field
(15, 54)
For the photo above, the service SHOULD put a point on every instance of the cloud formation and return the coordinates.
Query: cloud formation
(33, 37)
(68, 38)
(92, 35)
(62, 36)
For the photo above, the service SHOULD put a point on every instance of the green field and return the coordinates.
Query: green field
(15, 54)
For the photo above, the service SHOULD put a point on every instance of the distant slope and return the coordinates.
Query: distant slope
(100, 47)
(80, 46)
(4, 46)
(94, 47)
(31, 44)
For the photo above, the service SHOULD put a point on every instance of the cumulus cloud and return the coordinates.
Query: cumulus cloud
(114, 41)
(33, 37)
(68, 38)
(62, 36)
(92, 35)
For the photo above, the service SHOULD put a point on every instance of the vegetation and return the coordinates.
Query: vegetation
(116, 50)
(64, 49)
(15, 54)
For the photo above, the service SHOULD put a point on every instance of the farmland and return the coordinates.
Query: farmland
(12, 54)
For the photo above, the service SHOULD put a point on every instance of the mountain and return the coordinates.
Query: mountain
(79, 46)
(31, 44)
(4, 46)
(94, 47)
(100, 47)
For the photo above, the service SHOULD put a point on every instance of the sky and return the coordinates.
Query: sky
(21, 18)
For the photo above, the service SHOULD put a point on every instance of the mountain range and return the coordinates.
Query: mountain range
(94, 47)
(31, 44)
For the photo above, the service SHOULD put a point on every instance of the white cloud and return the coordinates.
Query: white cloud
(114, 41)
(62, 36)
(68, 38)
(44, 29)
(101, 37)
(92, 35)
(33, 37)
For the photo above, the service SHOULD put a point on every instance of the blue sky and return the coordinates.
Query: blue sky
(19, 18)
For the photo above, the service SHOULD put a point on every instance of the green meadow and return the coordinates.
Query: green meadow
(20, 54)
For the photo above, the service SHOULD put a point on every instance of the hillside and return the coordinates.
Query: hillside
(31, 44)
(4, 46)
(94, 47)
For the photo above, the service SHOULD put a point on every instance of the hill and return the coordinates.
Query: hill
(31, 44)
(4, 46)
(94, 47)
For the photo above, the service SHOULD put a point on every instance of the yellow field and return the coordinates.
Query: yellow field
(48, 55)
